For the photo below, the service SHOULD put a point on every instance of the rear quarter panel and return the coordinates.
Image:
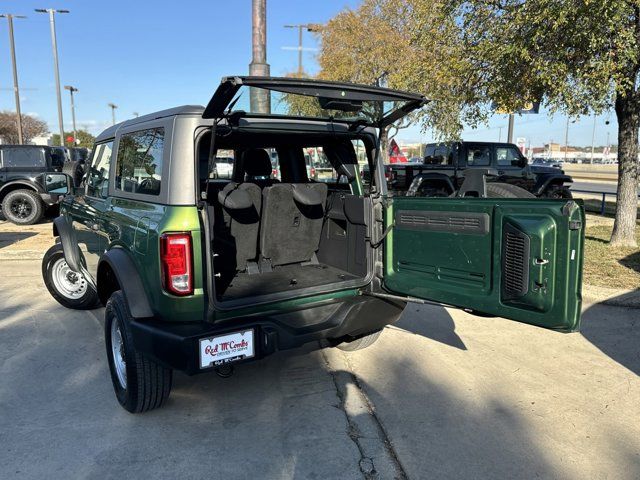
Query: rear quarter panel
(137, 226)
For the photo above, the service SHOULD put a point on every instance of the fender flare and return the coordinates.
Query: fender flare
(129, 280)
(23, 181)
(62, 229)
(551, 179)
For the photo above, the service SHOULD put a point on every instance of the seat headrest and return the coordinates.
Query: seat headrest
(235, 199)
(306, 196)
(257, 163)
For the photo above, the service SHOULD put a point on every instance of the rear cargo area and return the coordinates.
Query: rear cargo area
(273, 235)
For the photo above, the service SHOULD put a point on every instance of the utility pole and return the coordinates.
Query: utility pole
(510, 128)
(499, 134)
(54, 46)
(73, 112)
(593, 137)
(309, 27)
(260, 100)
(113, 112)
(16, 89)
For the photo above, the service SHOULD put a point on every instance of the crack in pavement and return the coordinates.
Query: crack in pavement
(378, 459)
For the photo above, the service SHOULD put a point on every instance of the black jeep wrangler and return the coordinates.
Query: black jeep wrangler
(444, 166)
(25, 180)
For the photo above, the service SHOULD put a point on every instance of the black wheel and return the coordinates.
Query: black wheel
(140, 384)
(558, 191)
(360, 343)
(506, 190)
(69, 288)
(75, 170)
(23, 207)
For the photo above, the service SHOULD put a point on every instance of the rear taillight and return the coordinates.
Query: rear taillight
(176, 260)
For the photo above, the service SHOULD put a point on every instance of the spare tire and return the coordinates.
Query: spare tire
(506, 190)
(75, 170)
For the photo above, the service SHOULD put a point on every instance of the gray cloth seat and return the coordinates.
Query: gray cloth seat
(257, 167)
(241, 205)
(291, 223)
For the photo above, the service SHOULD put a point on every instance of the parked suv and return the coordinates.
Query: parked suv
(199, 273)
(24, 173)
(445, 166)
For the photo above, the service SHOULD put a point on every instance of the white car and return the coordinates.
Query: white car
(224, 167)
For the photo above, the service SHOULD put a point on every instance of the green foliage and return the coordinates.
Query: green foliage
(86, 139)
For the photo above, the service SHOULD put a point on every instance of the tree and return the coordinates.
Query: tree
(31, 127)
(580, 57)
(85, 139)
(368, 46)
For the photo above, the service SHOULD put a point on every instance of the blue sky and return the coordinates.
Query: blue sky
(146, 56)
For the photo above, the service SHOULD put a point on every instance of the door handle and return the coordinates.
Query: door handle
(500, 172)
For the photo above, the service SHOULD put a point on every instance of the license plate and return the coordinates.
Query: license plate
(228, 348)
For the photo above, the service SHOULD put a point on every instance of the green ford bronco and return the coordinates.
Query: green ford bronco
(198, 273)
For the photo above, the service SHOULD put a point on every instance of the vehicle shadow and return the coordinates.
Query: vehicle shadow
(9, 238)
(439, 326)
(613, 331)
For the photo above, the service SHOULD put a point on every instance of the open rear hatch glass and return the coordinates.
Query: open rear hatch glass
(305, 98)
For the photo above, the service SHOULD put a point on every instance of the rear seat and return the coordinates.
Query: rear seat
(241, 204)
(291, 224)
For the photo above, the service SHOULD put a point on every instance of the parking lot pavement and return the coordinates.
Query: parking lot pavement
(452, 395)
(25, 241)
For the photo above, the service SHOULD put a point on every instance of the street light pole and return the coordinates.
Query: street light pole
(510, 128)
(54, 46)
(113, 112)
(566, 140)
(73, 112)
(16, 89)
(309, 27)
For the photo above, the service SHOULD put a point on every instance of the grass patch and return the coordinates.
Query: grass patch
(610, 267)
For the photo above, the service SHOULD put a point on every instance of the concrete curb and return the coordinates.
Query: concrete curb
(617, 297)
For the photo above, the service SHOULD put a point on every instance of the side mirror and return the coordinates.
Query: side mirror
(522, 162)
(58, 183)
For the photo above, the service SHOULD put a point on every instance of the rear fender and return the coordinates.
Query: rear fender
(434, 178)
(118, 261)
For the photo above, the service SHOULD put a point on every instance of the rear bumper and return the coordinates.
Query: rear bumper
(177, 345)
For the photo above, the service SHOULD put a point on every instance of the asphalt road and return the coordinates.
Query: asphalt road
(609, 187)
(442, 394)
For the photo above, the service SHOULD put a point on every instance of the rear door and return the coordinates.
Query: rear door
(349, 103)
(519, 259)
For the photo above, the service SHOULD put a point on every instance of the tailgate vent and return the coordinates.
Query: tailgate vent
(515, 262)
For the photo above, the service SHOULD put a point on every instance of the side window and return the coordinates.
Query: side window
(507, 156)
(443, 155)
(98, 176)
(139, 163)
(478, 155)
(23, 157)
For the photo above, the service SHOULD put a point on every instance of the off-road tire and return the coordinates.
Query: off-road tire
(559, 192)
(31, 202)
(506, 190)
(50, 263)
(75, 170)
(148, 383)
(360, 343)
